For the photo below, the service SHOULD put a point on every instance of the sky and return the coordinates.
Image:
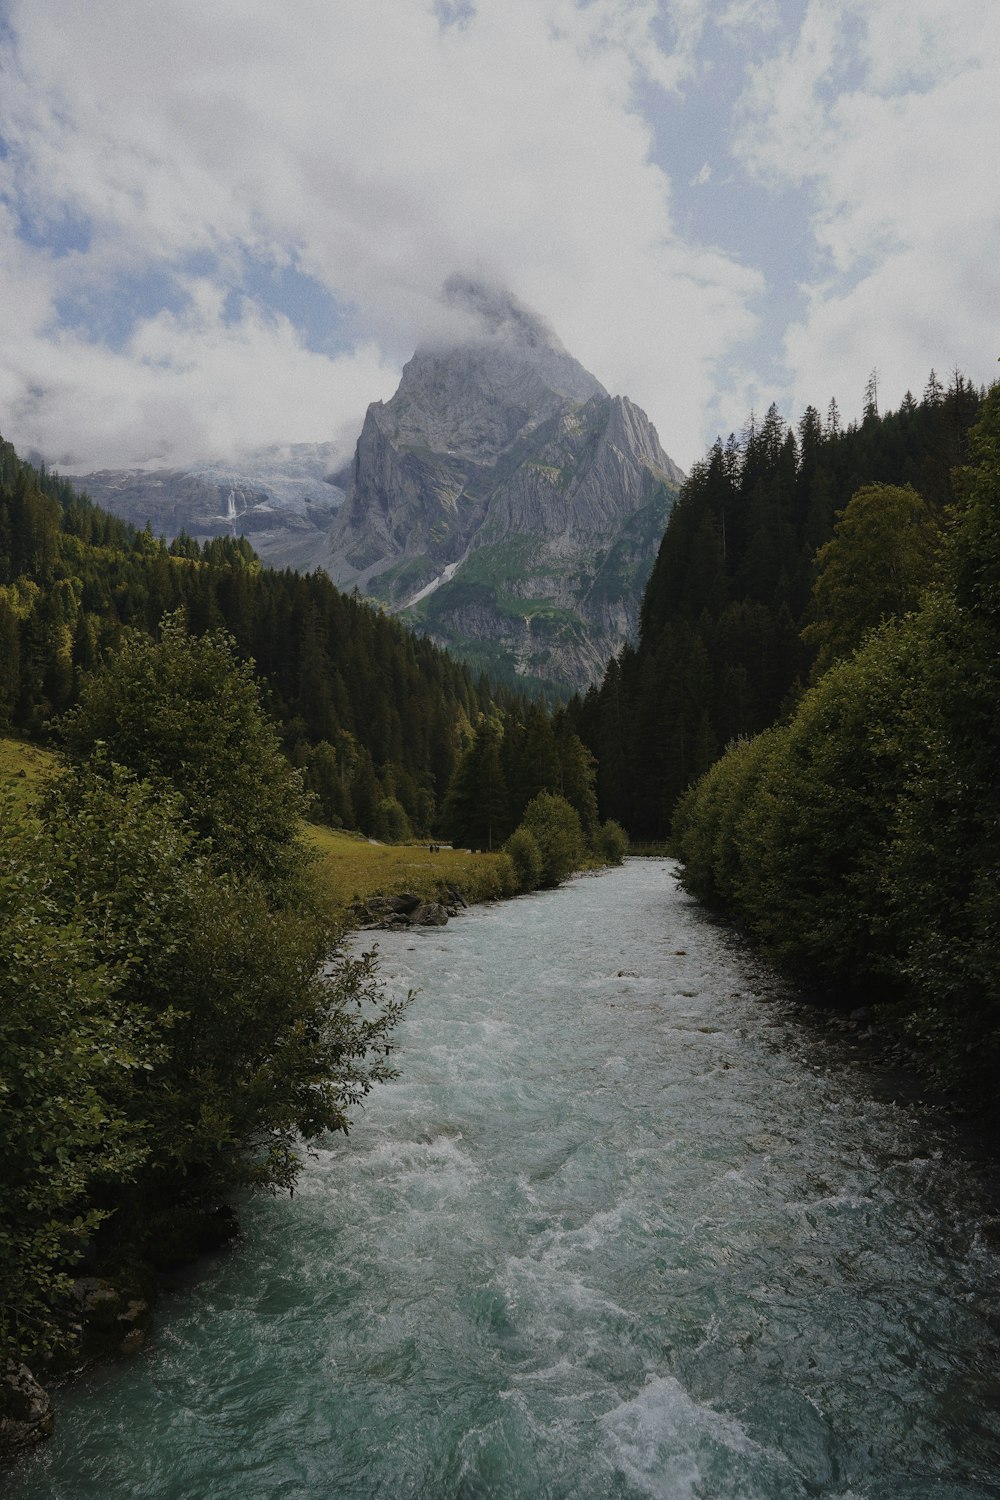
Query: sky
(227, 225)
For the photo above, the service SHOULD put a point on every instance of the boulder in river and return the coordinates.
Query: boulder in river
(429, 914)
(25, 1409)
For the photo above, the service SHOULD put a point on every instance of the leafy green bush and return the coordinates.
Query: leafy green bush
(557, 831)
(182, 712)
(61, 1042)
(812, 838)
(171, 1025)
(526, 857)
(611, 843)
(391, 822)
(883, 553)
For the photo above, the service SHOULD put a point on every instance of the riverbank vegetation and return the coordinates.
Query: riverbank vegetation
(174, 1015)
(859, 839)
(349, 870)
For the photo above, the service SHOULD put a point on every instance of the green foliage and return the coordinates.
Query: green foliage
(943, 868)
(611, 843)
(555, 826)
(881, 557)
(73, 580)
(508, 762)
(526, 857)
(392, 824)
(172, 1022)
(181, 712)
(476, 813)
(707, 821)
(813, 838)
(975, 552)
(60, 1042)
(861, 841)
(721, 655)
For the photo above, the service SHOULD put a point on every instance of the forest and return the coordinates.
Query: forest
(857, 837)
(721, 653)
(341, 678)
(377, 719)
(823, 611)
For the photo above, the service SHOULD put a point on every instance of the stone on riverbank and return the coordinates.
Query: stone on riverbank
(25, 1409)
(409, 910)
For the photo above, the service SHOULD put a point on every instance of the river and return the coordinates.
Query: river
(623, 1227)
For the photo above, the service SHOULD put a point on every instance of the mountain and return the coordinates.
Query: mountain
(281, 497)
(503, 502)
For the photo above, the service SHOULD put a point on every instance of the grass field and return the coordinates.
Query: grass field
(351, 870)
(25, 769)
(348, 867)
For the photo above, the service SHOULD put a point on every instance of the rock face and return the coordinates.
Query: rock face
(281, 498)
(503, 502)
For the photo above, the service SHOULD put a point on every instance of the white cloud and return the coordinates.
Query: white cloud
(886, 112)
(185, 386)
(739, 15)
(378, 149)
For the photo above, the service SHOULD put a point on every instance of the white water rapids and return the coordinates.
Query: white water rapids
(622, 1228)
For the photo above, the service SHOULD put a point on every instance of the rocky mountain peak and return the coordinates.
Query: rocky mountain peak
(502, 500)
(474, 395)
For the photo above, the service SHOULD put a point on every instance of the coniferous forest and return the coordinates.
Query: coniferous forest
(858, 839)
(811, 712)
(721, 652)
(372, 715)
(378, 720)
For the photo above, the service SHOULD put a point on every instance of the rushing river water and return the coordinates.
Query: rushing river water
(620, 1229)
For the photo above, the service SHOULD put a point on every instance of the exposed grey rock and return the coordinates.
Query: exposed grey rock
(405, 902)
(25, 1409)
(429, 914)
(502, 502)
(502, 497)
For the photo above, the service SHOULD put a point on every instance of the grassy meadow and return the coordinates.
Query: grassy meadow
(349, 868)
(25, 769)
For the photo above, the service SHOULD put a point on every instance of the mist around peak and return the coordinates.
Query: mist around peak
(493, 311)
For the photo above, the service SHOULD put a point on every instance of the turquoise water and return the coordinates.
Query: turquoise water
(620, 1229)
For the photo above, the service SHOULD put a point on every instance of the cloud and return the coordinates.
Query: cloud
(738, 15)
(886, 114)
(373, 149)
(185, 385)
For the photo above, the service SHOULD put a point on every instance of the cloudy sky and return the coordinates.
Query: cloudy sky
(226, 224)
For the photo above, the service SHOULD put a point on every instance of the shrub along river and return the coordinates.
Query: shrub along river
(623, 1227)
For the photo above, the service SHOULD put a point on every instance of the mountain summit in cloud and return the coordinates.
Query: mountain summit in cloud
(502, 500)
